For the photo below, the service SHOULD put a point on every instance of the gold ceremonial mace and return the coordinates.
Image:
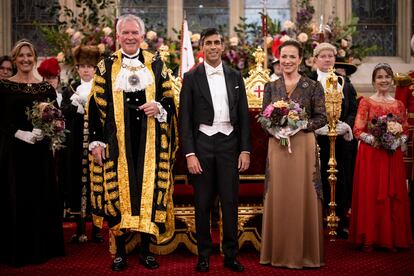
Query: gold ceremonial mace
(333, 101)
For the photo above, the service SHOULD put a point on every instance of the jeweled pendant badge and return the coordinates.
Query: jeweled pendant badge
(133, 80)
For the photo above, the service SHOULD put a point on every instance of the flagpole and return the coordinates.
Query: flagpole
(181, 43)
(264, 32)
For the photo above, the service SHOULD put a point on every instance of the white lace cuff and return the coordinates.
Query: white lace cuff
(162, 115)
(94, 144)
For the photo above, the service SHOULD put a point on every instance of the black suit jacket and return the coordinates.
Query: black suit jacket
(196, 107)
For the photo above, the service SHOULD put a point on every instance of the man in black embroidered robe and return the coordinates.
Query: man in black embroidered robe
(132, 120)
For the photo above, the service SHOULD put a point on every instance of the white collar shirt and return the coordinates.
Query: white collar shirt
(218, 90)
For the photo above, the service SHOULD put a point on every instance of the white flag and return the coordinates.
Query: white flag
(187, 56)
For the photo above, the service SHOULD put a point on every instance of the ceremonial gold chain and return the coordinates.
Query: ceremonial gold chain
(133, 68)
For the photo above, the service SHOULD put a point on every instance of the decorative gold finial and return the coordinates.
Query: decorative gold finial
(333, 103)
(164, 51)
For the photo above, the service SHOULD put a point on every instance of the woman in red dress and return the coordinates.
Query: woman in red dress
(380, 213)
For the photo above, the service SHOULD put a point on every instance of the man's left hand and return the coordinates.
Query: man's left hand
(150, 109)
(244, 161)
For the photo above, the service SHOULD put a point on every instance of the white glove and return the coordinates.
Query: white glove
(322, 131)
(345, 130)
(38, 133)
(367, 138)
(396, 144)
(75, 102)
(25, 136)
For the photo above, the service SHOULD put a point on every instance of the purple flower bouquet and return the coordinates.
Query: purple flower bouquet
(282, 118)
(50, 120)
(386, 129)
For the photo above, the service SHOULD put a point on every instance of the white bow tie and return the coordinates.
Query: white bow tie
(212, 71)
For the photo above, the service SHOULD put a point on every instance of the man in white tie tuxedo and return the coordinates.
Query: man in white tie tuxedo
(324, 55)
(132, 136)
(215, 138)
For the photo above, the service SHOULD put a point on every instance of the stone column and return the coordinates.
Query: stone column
(236, 10)
(5, 27)
(175, 15)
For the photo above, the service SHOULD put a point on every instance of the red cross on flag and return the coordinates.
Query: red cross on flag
(259, 91)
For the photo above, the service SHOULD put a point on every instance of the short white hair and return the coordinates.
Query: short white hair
(130, 17)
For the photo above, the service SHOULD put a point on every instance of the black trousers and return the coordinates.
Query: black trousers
(218, 156)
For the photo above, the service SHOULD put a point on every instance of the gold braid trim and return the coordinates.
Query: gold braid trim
(122, 168)
(109, 164)
(101, 66)
(99, 79)
(97, 89)
(101, 102)
(97, 221)
(168, 94)
(167, 84)
(148, 179)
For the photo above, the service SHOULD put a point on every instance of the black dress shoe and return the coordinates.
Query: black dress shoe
(203, 265)
(119, 264)
(148, 261)
(233, 264)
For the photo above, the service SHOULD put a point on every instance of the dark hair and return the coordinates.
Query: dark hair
(208, 32)
(9, 59)
(293, 43)
(385, 66)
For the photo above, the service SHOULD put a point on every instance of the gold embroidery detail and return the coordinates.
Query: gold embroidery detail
(167, 84)
(109, 164)
(96, 89)
(99, 79)
(113, 195)
(159, 198)
(164, 165)
(97, 179)
(163, 175)
(111, 185)
(101, 67)
(101, 102)
(97, 221)
(164, 155)
(97, 169)
(99, 202)
(160, 216)
(168, 94)
(97, 189)
(110, 175)
(123, 178)
(163, 184)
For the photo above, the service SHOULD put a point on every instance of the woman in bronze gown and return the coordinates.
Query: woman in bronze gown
(31, 229)
(292, 233)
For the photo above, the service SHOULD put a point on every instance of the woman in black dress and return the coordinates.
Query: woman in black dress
(31, 229)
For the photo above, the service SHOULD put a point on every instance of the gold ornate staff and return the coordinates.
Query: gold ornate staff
(333, 101)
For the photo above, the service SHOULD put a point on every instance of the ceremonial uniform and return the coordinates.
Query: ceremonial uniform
(133, 190)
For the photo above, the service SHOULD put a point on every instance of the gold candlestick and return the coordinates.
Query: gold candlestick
(333, 102)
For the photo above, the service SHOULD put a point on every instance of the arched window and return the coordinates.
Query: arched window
(377, 25)
(152, 12)
(276, 9)
(24, 13)
(209, 13)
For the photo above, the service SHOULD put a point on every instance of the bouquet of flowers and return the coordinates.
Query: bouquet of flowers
(386, 129)
(282, 119)
(48, 118)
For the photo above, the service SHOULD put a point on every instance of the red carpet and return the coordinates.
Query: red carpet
(340, 257)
